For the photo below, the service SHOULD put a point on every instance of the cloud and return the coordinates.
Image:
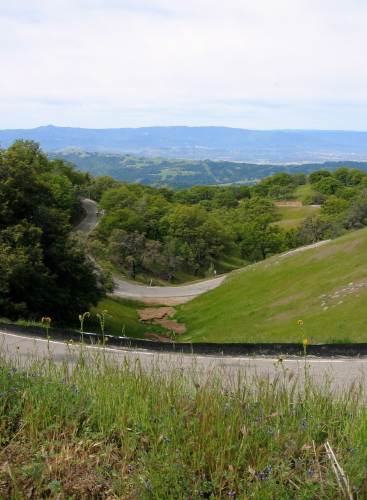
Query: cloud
(192, 60)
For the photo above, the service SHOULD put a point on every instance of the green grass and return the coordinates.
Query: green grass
(263, 302)
(303, 191)
(292, 216)
(109, 430)
(121, 319)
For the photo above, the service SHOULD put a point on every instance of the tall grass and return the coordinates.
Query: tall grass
(105, 429)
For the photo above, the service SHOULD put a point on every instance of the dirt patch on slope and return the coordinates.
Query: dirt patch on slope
(160, 317)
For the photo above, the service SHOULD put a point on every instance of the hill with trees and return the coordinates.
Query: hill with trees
(181, 173)
(176, 235)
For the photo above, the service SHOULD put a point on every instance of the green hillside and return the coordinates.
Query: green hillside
(325, 287)
(178, 173)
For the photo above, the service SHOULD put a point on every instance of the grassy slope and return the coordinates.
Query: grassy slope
(121, 319)
(263, 302)
(292, 216)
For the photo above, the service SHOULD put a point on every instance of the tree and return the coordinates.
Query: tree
(335, 206)
(225, 197)
(281, 192)
(44, 271)
(328, 186)
(299, 179)
(313, 229)
(317, 175)
(258, 238)
(199, 235)
(256, 206)
(281, 179)
(356, 217)
(356, 177)
(123, 218)
(99, 185)
(134, 251)
(23, 275)
(341, 174)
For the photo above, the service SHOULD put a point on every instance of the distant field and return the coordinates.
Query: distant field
(325, 287)
(292, 216)
(303, 191)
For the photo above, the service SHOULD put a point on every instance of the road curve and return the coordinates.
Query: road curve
(165, 295)
(160, 295)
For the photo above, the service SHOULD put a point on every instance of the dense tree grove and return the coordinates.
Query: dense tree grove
(43, 270)
(160, 232)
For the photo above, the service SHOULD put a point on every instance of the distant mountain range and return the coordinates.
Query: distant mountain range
(199, 143)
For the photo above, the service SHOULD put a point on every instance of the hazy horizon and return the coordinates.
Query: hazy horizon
(187, 126)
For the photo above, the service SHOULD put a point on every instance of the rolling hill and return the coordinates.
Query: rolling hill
(324, 287)
(176, 173)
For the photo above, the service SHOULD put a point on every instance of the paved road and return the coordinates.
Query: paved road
(340, 372)
(91, 220)
(169, 295)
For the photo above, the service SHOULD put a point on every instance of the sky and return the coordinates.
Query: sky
(251, 64)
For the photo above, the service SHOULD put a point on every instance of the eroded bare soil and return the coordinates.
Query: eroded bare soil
(161, 316)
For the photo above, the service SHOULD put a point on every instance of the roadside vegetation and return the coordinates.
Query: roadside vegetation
(108, 430)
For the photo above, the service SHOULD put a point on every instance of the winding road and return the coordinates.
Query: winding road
(160, 295)
(151, 295)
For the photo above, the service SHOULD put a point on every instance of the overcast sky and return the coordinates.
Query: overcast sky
(256, 64)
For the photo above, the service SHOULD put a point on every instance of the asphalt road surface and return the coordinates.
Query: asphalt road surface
(340, 372)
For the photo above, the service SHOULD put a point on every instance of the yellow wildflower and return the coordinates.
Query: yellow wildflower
(299, 322)
(305, 342)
